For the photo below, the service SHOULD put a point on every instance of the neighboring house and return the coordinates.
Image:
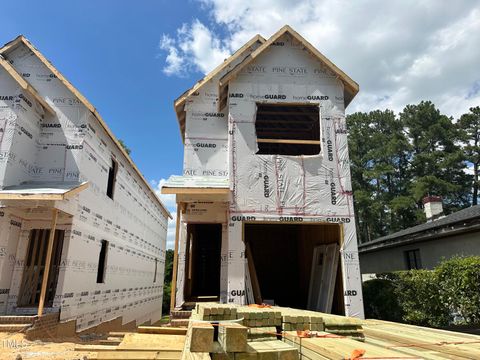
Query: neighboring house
(82, 234)
(424, 246)
(265, 208)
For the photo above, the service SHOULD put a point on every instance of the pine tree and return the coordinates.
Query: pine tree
(469, 127)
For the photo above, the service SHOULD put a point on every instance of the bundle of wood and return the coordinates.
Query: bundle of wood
(262, 333)
(343, 326)
(259, 317)
(214, 312)
(231, 343)
(294, 319)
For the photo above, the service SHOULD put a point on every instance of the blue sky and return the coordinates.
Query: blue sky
(132, 59)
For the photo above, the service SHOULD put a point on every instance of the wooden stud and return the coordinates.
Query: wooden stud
(289, 141)
(173, 288)
(170, 330)
(201, 337)
(47, 262)
(233, 337)
(193, 191)
(257, 294)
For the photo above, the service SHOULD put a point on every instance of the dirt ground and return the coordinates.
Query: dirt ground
(16, 347)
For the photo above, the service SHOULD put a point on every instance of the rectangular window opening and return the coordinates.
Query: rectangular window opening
(102, 262)
(155, 273)
(413, 259)
(284, 129)
(112, 174)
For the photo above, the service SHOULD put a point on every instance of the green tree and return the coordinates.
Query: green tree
(125, 147)
(379, 153)
(397, 160)
(167, 283)
(437, 165)
(469, 126)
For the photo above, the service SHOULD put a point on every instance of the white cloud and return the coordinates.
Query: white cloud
(170, 203)
(195, 48)
(400, 52)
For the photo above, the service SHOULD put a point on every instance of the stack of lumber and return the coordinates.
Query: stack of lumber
(214, 312)
(295, 319)
(259, 317)
(232, 343)
(262, 333)
(419, 341)
(344, 326)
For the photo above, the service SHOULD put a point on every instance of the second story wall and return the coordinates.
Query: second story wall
(288, 179)
(20, 127)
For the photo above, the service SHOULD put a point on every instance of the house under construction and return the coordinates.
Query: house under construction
(265, 207)
(82, 234)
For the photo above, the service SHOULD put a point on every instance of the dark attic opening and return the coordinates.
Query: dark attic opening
(284, 129)
(296, 265)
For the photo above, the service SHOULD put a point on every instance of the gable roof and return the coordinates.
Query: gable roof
(23, 40)
(351, 88)
(179, 103)
(461, 219)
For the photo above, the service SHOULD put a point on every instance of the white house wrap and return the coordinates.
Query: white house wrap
(229, 180)
(58, 156)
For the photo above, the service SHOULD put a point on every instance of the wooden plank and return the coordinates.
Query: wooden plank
(232, 337)
(339, 348)
(139, 355)
(76, 190)
(257, 294)
(201, 337)
(95, 348)
(162, 330)
(194, 191)
(48, 260)
(189, 355)
(152, 342)
(289, 141)
(417, 341)
(273, 349)
(173, 288)
(119, 333)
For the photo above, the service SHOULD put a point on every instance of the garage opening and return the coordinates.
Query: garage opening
(296, 265)
(204, 242)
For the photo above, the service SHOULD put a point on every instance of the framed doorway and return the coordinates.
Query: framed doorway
(204, 243)
(34, 268)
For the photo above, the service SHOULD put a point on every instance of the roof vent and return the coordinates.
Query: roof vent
(433, 207)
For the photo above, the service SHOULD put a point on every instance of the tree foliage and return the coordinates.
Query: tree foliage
(125, 147)
(167, 283)
(396, 160)
(469, 125)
